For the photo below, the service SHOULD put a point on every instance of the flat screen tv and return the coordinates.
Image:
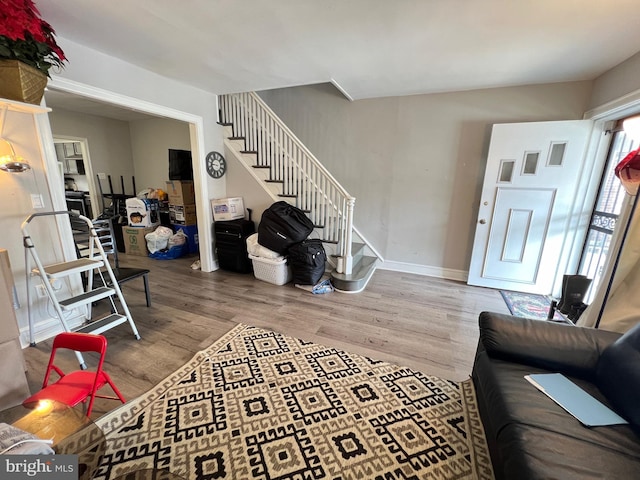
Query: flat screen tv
(180, 167)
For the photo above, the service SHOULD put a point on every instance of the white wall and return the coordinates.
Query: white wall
(16, 189)
(150, 141)
(415, 164)
(241, 184)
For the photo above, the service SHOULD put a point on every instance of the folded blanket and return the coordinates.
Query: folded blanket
(18, 442)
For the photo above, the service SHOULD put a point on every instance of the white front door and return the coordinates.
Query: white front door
(533, 171)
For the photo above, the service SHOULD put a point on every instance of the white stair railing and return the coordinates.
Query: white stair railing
(317, 193)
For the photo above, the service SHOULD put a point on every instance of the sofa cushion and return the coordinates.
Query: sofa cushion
(618, 375)
(551, 346)
(530, 436)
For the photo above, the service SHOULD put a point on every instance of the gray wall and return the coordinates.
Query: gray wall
(109, 142)
(617, 82)
(151, 140)
(415, 164)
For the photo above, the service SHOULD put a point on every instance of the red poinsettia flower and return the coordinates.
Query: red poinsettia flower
(25, 36)
(628, 171)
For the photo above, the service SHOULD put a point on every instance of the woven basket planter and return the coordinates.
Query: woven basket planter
(20, 82)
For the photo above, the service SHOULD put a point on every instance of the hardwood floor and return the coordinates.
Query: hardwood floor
(425, 323)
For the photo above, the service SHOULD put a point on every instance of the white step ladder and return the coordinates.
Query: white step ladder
(96, 264)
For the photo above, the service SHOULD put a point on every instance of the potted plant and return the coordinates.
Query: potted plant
(28, 50)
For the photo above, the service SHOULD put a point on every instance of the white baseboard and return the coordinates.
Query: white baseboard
(439, 272)
(48, 328)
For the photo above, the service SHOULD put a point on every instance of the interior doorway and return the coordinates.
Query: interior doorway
(84, 95)
(75, 169)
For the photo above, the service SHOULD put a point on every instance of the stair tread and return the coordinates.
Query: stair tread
(103, 324)
(86, 298)
(358, 279)
(67, 268)
(360, 269)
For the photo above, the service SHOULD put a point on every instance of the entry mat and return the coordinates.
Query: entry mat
(529, 305)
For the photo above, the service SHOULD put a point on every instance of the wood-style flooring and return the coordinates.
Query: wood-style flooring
(421, 322)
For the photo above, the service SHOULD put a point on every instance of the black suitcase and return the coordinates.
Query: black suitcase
(307, 260)
(283, 225)
(231, 244)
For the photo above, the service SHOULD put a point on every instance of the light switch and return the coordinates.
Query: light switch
(36, 200)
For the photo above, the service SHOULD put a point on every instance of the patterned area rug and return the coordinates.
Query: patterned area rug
(261, 405)
(529, 305)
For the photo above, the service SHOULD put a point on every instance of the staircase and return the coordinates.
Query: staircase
(288, 171)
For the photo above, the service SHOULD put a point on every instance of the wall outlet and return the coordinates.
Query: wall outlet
(102, 176)
(41, 291)
(56, 284)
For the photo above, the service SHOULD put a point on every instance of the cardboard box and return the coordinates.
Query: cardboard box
(227, 208)
(183, 214)
(134, 241)
(181, 192)
(191, 231)
(142, 212)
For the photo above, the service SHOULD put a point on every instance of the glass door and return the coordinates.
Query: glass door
(605, 214)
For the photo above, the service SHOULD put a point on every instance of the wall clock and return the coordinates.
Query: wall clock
(216, 164)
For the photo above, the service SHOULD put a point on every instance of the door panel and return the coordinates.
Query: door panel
(531, 179)
(518, 229)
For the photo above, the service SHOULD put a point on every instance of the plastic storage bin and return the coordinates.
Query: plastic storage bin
(272, 271)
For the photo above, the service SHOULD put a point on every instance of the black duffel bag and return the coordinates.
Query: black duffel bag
(283, 225)
(307, 261)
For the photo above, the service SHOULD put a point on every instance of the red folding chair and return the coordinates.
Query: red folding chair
(77, 386)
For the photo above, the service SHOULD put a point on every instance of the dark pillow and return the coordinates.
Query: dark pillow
(618, 375)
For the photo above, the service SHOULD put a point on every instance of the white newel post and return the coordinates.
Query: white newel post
(348, 225)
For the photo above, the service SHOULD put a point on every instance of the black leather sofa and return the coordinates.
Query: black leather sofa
(529, 435)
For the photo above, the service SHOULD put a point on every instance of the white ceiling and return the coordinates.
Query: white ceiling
(369, 48)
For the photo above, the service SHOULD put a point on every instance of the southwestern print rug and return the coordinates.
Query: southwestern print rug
(261, 405)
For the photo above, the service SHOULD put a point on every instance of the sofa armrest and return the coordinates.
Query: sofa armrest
(543, 344)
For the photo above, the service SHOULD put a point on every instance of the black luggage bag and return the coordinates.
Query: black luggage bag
(231, 244)
(283, 225)
(307, 260)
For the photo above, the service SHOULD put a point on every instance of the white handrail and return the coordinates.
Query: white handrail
(290, 163)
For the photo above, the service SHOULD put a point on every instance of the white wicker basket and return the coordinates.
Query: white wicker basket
(272, 271)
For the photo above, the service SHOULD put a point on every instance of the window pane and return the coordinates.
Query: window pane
(506, 170)
(530, 163)
(556, 156)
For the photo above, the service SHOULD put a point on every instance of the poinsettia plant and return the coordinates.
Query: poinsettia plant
(25, 36)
